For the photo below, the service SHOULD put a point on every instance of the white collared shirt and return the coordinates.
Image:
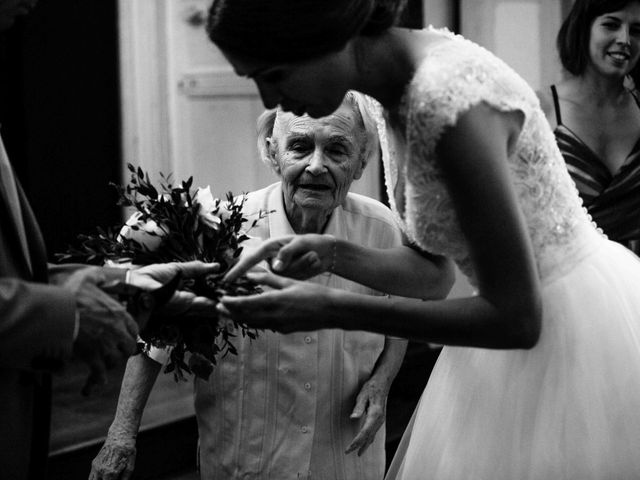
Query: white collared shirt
(280, 408)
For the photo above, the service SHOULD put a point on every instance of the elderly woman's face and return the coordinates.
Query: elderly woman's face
(318, 158)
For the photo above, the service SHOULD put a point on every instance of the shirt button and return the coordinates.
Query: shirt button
(307, 386)
(305, 429)
(307, 339)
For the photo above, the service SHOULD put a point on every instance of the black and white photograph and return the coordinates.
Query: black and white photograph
(320, 239)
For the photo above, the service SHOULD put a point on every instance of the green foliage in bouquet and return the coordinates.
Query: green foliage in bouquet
(178, 223)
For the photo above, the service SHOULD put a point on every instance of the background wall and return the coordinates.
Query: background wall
(521, 32)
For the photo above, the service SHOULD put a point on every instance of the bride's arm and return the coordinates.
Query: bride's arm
(399, 270)
(507, 311)
(403, 270)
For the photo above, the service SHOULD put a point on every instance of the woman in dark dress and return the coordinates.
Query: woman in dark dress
(595, 112)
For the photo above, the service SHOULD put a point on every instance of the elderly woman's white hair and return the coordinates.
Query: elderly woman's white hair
(367, 109)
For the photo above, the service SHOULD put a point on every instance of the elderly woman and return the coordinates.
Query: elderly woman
(291, 406)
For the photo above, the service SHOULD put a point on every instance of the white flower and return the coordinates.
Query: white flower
(148, 234)
(208, 204)
(167, 197)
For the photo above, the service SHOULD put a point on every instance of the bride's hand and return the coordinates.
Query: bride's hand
(294, 256)
(291, 305)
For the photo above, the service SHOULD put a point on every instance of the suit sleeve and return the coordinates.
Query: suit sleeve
(37, 323)
(37, 320)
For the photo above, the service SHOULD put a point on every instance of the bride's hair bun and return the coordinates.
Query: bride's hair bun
(385, 14)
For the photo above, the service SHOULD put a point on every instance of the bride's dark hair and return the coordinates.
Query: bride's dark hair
(384, 15)
(294, 30)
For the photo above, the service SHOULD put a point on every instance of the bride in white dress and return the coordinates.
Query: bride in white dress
(540, 375)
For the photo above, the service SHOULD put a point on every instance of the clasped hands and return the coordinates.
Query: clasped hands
(107, 333)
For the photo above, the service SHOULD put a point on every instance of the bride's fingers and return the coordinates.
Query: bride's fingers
(244, 264)
(295, 250)
(243, 309)
(266, 250)
(270, 279)
(308, 265)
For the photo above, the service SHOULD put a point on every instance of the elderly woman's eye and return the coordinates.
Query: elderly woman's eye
(299, 146)
(338, 150)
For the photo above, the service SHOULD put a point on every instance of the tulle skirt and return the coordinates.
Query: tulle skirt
(568, 409)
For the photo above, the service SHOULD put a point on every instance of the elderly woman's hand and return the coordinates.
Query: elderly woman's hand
(115, 461)
(292, 305)
(372, 403)
(294, 256)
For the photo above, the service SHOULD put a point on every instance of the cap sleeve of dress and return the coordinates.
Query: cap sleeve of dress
(456, 75)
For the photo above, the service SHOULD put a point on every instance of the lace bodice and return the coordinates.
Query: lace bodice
(456, 75)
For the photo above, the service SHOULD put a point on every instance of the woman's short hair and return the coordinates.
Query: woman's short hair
(574, 35)
(265, 123)
(365, 108)
(290, 31)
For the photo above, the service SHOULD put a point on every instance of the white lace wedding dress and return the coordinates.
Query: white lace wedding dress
(570, 407)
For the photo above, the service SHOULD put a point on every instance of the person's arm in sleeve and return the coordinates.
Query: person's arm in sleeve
(37, 324)
(106, 332)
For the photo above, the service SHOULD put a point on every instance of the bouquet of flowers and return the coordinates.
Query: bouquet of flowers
(178, 223)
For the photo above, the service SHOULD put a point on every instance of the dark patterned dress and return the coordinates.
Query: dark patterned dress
(613, 200)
